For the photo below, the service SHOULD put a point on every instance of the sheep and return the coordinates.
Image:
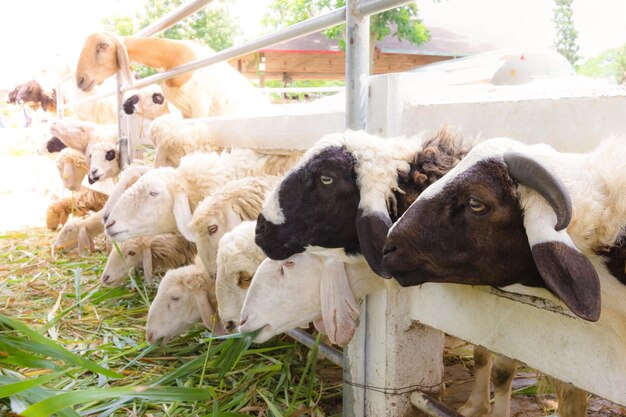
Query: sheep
(32, 94)
(174, 139)
(103, 160)
(504, 200)
(228, 206)
(341, 198)
(148, 103)
(127, 178)
(54, 145)
(163, 199)
(86, 200)
(79, 233)
(186, 295)
(59, 211)
(213, 90)
(12, 96)
(78, 134)
(72, 168)
(152, 254)
(237, 261)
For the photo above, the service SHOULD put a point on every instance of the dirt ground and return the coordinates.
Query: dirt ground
(29, 182)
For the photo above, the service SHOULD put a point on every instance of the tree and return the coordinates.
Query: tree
(566, 34)
(404, 21)
(214, 27)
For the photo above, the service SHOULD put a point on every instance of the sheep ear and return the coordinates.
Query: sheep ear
(159, 157)
(209, 318)
(84, 243)
(146, 255)
(68, 174)
(182, 214)
(122, 59)
(372, 228)
(565, 270)
(339, 310)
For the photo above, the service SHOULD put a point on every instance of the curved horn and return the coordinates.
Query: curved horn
(530, 172)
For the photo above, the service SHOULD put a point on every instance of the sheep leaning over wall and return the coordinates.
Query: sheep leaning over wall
(510, 197)
(225, 208)
(213, 90)
(186, 296)
(163, 199)
(238, 258)
(152, 254)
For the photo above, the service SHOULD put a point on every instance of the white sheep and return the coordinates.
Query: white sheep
(147, 103)
(186, 296)
(79, 233)
(228, 206)
(152, 254)
(78, 134)
(175, 138)
(163, 199)
(238, 258)
(126, 178)
(72, 168)
(308, 288)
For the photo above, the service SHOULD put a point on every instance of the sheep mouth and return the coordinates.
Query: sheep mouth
(93, 178)
(118, 236)
(262, 333)
(282, 252)
(89, 86)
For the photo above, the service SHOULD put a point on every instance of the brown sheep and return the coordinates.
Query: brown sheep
(33, 95)
(58, 211)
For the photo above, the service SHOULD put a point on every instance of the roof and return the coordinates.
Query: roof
(443, 42)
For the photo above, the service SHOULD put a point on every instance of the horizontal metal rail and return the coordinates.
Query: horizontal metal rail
(303, 90)
(172, 18)
(324, 351)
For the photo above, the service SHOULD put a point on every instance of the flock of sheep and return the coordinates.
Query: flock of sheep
(352, 209)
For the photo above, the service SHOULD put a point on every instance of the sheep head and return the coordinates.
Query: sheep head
(102, 56)
(182, 300)
(75, 134)
(103, 161)
(237, 260)
(72, 168)
(490, 222)
(118, 268)
(127, 178)
(154, 204)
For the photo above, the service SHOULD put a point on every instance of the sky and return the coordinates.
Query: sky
(48, 34)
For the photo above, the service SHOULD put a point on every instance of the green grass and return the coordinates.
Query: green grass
(69, 347)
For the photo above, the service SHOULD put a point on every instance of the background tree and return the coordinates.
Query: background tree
(566, 34)
(403, 21)
(213, 26)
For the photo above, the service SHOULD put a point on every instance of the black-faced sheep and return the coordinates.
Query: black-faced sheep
(347, 190)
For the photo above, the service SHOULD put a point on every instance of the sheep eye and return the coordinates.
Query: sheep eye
(476, 205)
(289, 264)
(132, 253)
(110, 155)
(154, 193)
(175, 298)
(326, 180)
(212, 229)
(244, 276)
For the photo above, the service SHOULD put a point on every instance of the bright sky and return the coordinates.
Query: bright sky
(40, 34)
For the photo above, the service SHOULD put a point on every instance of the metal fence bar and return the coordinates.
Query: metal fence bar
(324, 351)
(181, 12)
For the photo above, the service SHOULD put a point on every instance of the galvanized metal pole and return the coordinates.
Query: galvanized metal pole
(124, 142)
(357, 65)
(357, 72)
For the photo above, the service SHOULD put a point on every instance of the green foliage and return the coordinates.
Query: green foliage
(610, 64)
(566, 34)
(405, 19)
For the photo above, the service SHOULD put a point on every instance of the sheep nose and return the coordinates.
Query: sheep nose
(262, 226)
(243, 321)
(150, 337)
(105, 279)
(110, 224)
(81, 82)
(230, 325)
(105, 218)
(389, 248)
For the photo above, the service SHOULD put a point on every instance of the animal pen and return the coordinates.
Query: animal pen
(397, 350)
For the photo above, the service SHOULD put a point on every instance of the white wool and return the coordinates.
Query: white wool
(228, 206)
(175, 307)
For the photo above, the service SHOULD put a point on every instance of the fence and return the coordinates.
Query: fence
(391, 355)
